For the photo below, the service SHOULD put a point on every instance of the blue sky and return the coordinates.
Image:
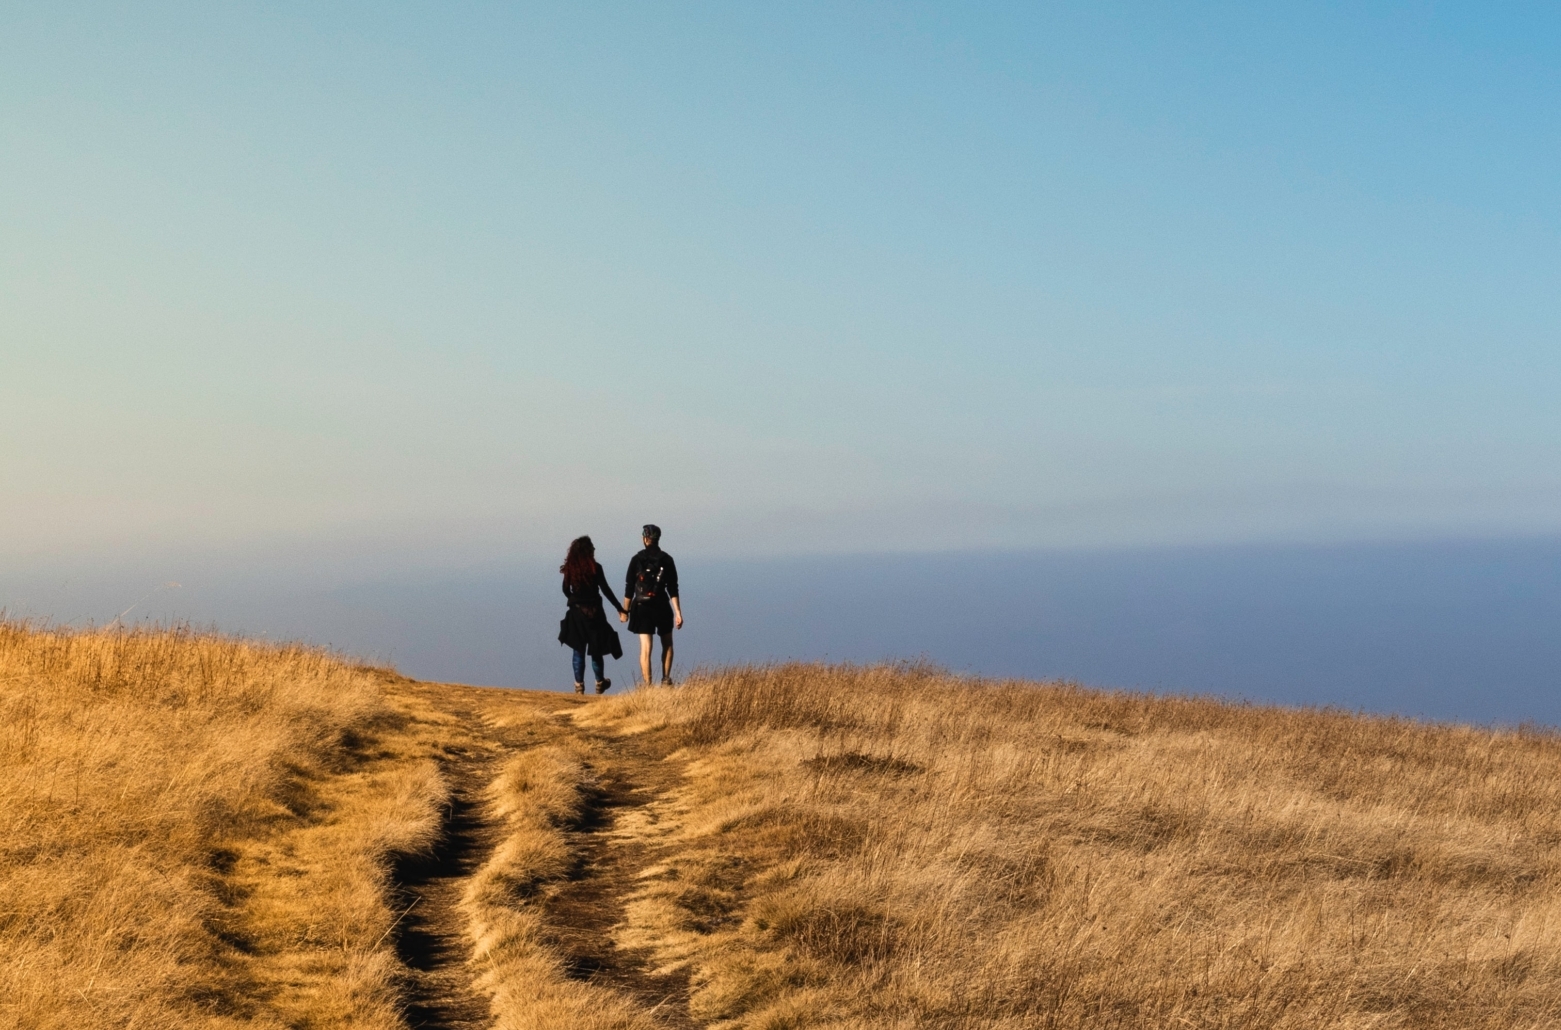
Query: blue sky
(467, 279)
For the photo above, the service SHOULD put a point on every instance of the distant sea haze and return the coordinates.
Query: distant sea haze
(1466, 631)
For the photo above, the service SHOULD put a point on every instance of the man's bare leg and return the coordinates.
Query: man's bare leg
(645, 639)
(666, 657)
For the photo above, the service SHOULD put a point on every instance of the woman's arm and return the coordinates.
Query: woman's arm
(606, 588)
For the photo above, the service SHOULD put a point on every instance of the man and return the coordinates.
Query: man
(650, 592)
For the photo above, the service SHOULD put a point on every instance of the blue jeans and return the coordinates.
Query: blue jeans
(596, 666)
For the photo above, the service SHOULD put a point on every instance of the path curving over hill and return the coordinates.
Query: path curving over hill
(472, 733)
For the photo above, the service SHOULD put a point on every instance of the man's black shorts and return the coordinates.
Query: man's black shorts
(651, 617)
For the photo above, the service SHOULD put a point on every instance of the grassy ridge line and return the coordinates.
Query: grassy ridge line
(537, 794)
(194, 834)
(892, 847)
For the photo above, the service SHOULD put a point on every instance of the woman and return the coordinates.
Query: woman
(585, 627)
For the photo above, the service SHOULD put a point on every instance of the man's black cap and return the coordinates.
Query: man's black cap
(651, 533)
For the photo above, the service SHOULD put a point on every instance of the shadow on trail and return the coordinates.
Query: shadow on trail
(582, 911)
(430, 939)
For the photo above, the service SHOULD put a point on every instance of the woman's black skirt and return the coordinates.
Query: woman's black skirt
(586, 629)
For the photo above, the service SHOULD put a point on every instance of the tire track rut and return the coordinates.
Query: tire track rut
(583, 910)
(431, 940)
(466, 732)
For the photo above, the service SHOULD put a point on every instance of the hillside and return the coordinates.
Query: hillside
(213, 833)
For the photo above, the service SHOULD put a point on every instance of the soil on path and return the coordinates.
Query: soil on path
(632, 773)
(431, 939)
(469, 731)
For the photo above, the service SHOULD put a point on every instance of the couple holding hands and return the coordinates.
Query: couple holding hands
(650, 607)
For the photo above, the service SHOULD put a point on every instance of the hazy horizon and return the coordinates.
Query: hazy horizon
(1451, 630)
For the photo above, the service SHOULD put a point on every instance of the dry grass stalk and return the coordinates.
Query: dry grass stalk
(191, 834)
(894, 847)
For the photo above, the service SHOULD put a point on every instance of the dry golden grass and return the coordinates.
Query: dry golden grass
(198, 832)
(892, 847)
(195, 833)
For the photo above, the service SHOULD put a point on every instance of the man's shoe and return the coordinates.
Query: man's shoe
(601, 686)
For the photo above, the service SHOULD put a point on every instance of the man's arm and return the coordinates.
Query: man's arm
(669, 581)
(672, 591)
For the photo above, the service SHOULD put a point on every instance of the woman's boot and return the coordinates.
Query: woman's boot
(602, 685)
(580, 689)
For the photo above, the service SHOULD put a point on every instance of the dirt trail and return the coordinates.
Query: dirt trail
(431, 939)
(466, 731)
(633, 773)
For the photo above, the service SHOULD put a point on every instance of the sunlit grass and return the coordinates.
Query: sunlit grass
(896, 847)
(197, 832)
(192, 835)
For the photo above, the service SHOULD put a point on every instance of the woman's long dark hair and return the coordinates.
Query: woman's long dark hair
(579, 567)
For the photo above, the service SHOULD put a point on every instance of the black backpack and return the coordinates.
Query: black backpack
(647, 581)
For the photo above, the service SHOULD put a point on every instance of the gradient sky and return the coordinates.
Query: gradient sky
(465, 278)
